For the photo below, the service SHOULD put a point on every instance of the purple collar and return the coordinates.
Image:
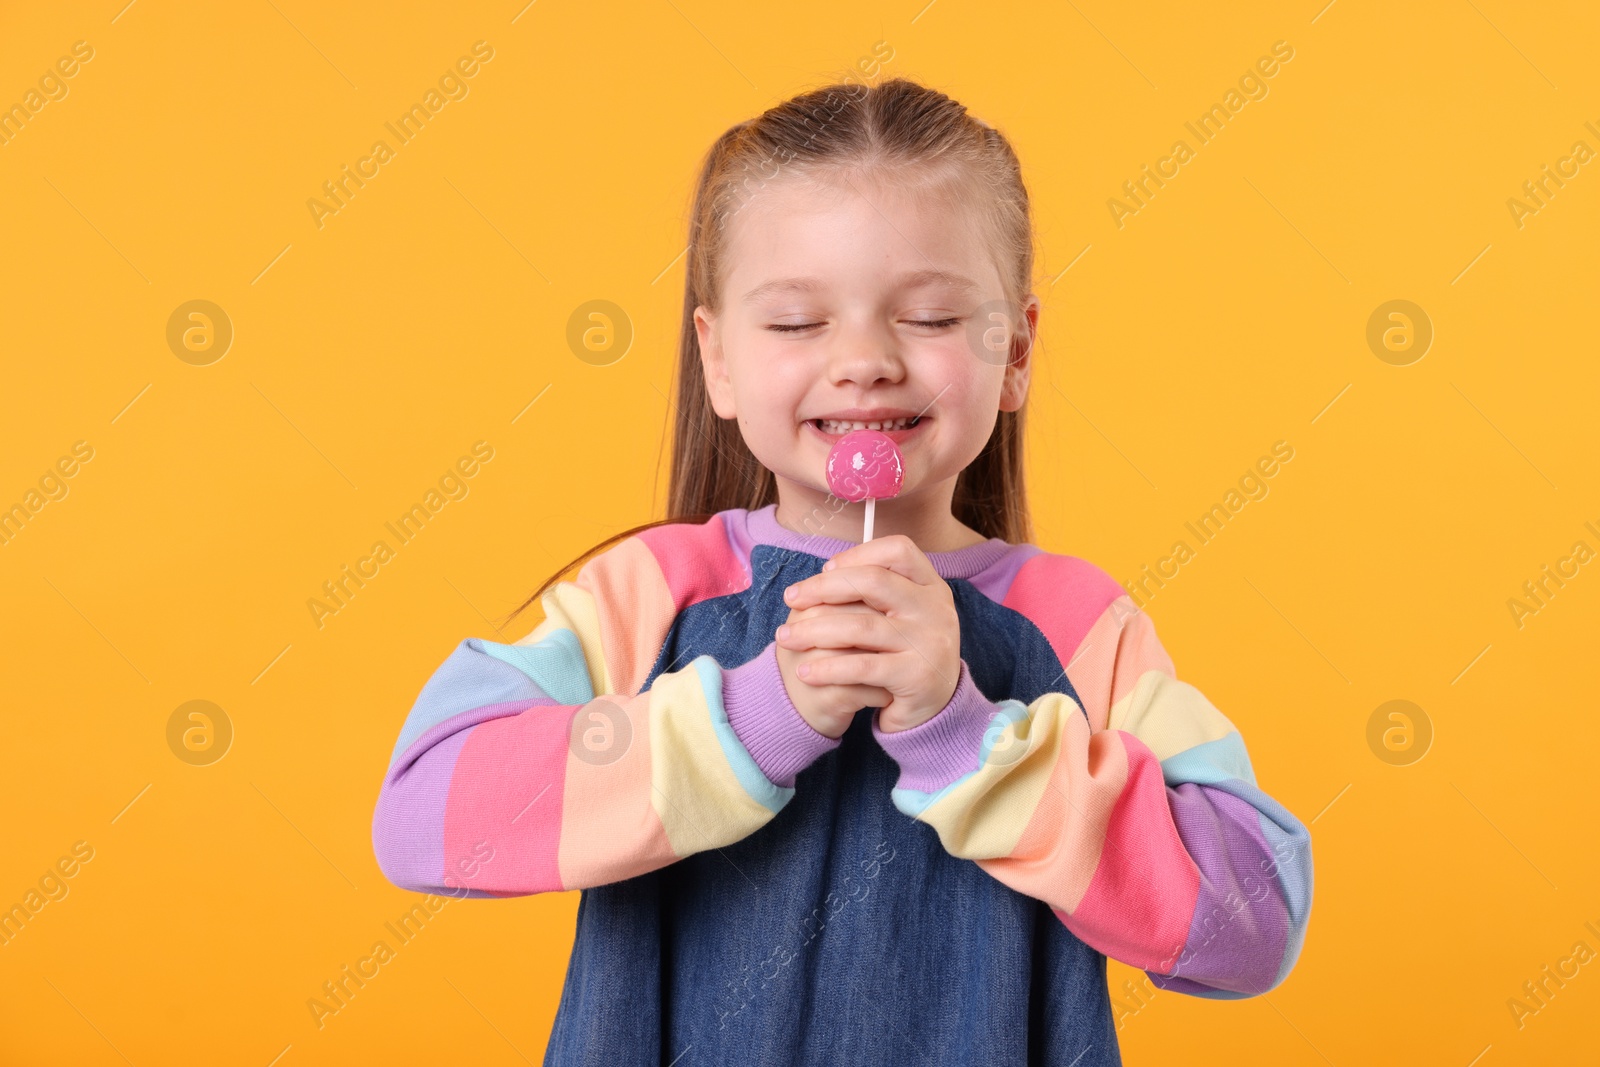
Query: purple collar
(761, 527)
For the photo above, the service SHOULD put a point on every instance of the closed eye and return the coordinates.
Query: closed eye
(788, 327)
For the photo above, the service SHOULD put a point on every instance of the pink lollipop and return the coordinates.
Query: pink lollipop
(865, 465)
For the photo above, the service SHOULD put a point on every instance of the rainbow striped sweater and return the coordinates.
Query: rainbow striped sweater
(762, 893)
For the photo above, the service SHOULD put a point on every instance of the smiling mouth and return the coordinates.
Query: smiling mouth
(840, 427)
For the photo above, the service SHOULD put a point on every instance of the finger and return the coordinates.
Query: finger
(877, 587)
(867, 668)
(895, 552)
(819, 610)
(864, 696)
(866, 630)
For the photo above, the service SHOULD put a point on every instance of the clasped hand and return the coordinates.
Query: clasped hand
(877, 628)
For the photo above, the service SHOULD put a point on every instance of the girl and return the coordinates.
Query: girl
(829, 802)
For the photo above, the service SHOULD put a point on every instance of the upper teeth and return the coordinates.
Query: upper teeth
(836, 426)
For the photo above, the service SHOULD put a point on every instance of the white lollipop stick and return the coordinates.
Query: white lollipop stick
(866, 532)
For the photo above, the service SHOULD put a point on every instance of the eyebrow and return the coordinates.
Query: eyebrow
(912, 280)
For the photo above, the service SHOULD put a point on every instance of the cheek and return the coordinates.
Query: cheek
(968, 407)
(968, 387)
(772, 381)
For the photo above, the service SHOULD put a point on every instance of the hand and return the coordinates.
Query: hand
(827, 708)
(906, 643)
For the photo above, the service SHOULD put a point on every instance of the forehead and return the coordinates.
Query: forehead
(851, 233)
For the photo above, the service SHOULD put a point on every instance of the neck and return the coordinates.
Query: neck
(924, 516)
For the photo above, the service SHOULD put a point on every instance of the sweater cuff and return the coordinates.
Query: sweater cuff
(766, 721)
(935, 753)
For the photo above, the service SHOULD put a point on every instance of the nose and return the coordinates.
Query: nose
(865, 354)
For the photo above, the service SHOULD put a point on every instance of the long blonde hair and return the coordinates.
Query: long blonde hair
(898, 128)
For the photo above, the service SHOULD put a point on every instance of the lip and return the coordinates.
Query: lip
(897, 436)
(870, 414)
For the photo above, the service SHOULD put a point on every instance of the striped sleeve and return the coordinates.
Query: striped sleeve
(540, 766)
(1135, 815)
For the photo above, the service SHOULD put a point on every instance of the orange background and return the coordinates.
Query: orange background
(368, 354)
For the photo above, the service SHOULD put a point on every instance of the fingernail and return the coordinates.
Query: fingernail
(788, 594)
(783, 632)
(828, 566)
(804, 670)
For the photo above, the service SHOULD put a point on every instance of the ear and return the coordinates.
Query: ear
(719, 387)
(1014, 388)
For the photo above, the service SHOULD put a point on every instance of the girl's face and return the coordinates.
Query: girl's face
(850, 301)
